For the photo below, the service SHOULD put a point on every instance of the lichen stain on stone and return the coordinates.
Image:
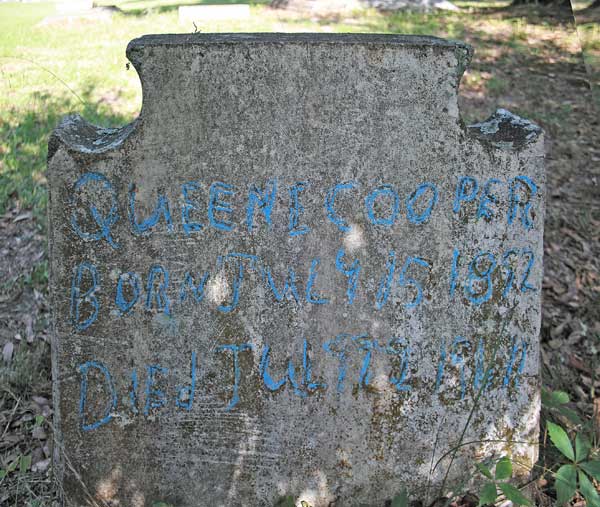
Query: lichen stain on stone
(354, 238)
(506, 130)
(217, 289)
(167, 324)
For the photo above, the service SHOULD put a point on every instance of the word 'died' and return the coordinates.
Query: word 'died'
(462, 365)
(407, 279)
(98, 206)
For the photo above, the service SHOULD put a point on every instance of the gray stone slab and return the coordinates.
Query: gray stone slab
(294, 274)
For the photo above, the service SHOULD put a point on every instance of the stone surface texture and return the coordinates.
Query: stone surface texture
(346, 392)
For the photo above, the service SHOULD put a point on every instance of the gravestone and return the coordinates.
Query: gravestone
(296, 273)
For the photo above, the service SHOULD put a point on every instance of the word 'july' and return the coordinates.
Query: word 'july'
(217, 205)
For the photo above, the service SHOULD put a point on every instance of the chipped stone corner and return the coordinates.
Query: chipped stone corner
(79, 135)
(507, 131)
(464, 55)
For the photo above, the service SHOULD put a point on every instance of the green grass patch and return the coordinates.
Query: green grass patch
(51, 70)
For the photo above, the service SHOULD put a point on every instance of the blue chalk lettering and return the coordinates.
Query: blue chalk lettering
(307, 365)
(296, 386)
(387, 191)
(240, 258)
(264, 200)
(352, 272)
(289, 290)
(264, 371)
(185, 394)
(217, 205)
(296, 209)
(133, 392)
(155, 398)
(330, 205)
(491, 372)
(479, 365)
(235, 350)
(521, 183)
(306, 385)
(441, 365)
(524, 285)
(385, 286)
(104, 223)
(189, 205)
(466, 191)
(315, 299)
(511, 363)
(158, 294)
(77, 297)
(404, 282)
(188, 285)
(144, 227)
(397, 346)
(133, 281)
(364, 343)
(111, 405)
(476, 274)
(337, 348)
(454, 272)
(486, 199)
(412, 215)
(457, 359)
(511, 274)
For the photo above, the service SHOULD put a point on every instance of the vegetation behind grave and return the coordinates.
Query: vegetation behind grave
(527, 59)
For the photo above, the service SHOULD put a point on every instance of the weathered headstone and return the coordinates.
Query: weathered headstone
(295, 274)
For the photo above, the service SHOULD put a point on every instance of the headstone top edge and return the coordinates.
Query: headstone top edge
(192, 39)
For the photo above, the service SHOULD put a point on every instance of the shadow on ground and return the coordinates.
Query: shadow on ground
(25, 387)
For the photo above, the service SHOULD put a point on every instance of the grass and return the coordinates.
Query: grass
(50, 70)
(525, 60)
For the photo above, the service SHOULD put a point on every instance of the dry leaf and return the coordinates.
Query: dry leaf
(22, 216)
(39, 433)
(40, 400)
(41, 466)
(7, 352)
(28, 321)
